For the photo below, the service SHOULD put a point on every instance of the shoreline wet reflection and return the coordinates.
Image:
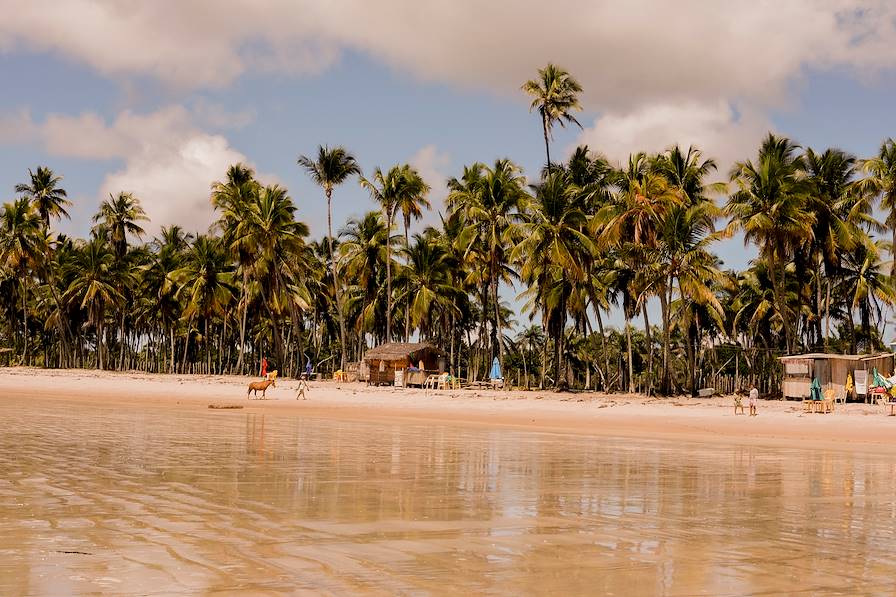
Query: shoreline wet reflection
(142, 501)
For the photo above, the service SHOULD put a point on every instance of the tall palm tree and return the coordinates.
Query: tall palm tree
(278, 241)
(22, 248)
(492, 200)
(769, 206)
(687, 230)
(45, 194)
(234, 197)
(555, 94)
(331, 168)
(555, 247)
(841, 209)
(401, 184)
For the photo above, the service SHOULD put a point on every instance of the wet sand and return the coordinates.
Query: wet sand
(129, 484)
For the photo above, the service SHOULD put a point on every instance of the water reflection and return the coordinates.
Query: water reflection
(140, 501)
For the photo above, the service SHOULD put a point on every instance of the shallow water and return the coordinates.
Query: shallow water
(142, 501)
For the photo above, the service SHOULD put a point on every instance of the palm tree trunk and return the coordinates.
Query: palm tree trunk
(336, 289)
(244, 303)
(171, 335)
(407, 311)
(827, 315)
(388, 274)
(99, 343)
(24, 323)
(665, 302)
(547, 145)
(497, 313)
(603, 346)
(649, 337)
(122, 341)
(628, 343)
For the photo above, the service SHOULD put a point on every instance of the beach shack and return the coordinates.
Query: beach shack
(832, 371)
(403, 363)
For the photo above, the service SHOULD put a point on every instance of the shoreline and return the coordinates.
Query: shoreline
(782, 424)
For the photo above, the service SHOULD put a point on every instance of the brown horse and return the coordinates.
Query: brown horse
(260, 385)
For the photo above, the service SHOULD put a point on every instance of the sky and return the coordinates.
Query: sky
(159, 98)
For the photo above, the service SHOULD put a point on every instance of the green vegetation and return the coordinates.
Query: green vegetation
(585, 243)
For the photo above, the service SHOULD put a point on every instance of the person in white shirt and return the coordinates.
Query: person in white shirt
(754, 396)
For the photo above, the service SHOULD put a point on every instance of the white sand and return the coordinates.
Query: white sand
(853, 427)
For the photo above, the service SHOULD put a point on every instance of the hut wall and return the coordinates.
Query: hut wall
(840, 368)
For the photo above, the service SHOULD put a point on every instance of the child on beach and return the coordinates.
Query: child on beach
(738, 404)
(754, 396)
(303, 387)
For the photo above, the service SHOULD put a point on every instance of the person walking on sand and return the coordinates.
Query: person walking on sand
(264, 367)
(754, 396)
(303, 387)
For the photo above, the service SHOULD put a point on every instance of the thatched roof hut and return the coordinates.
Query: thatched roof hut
(384, 360)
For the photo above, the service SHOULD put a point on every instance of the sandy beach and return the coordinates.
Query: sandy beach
(854, 426)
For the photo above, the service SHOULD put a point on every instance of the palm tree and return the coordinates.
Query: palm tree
(233, 198)
(118, 217)
(841, 210)
(555, 95)
(869, 288)
(45, 194)
(96, 287)
(205, 284)
(331, 168)
(401, 184)
(554, 249)
(492, 201)
(769, 206)
(278, 243)
(363, 250)
(631, 225)
(22, 249)
(686, 232)
(880, 180)
(425, 283)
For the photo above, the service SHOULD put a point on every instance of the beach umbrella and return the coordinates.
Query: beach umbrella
(496, 370)
(815, 389)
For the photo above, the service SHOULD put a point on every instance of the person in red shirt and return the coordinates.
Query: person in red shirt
(264, 367)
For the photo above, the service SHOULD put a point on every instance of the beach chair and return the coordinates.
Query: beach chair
(827, 405)
(443, 381)
(431, 382)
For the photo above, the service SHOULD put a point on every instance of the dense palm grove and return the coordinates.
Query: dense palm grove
(583, 242)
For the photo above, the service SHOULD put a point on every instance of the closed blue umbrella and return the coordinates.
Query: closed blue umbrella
(496, 370)
(815, 390)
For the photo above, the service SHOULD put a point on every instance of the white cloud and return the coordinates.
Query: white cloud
(167, 162)
(625, 52)
(658, 72)
(716, 129)
(433, 165)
